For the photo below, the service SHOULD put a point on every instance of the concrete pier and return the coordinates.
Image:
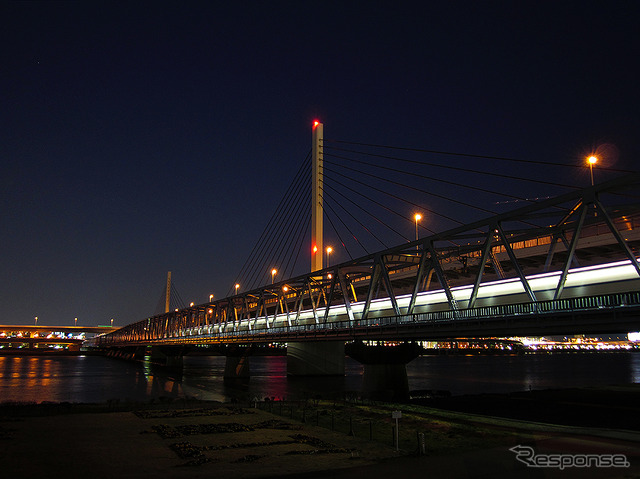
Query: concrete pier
(385, 371)
(169, 356)
(129, 353)
(237, 365)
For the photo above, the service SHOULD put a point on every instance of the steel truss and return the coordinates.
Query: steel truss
(575, 229)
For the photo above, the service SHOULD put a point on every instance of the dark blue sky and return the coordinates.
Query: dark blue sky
(138, 138)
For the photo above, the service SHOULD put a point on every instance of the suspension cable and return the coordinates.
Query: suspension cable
(470, 155)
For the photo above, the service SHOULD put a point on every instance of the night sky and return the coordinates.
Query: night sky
(139, 138)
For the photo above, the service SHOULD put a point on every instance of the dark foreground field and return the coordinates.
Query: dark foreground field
(468, 436)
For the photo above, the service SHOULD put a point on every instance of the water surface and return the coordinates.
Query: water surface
(99, 379)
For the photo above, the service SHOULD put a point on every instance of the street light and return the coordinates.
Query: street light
(75, 323)
(273, 274)
(237, 286)
(329, 251)
(592, 160)
(112, 322)
(36, 320)
(417, 217)
(210, 297)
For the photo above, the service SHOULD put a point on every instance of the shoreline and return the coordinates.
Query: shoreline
(613, 406)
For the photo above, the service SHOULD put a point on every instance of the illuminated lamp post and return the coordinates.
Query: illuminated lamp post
(237, 286)
(273, 274)
(592, 160)
(417, 217)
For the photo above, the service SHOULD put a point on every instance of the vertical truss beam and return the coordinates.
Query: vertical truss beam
(373, 284)
(554, 241)
(299, 303)
(388, 287)
(516, 265)
(571, 252)
(275, 310)
(486, 250)
(441, 277)
(329, 298)
(313, 302)
(621, 241)
(422, 268)
(345, 293)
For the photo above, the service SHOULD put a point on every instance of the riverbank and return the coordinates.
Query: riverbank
(314, 438)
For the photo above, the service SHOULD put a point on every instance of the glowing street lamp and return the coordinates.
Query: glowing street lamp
(112, 322)
(210, 297)
(75, 323)
(273, 274)
(329, 251)
(417, 217)
(592, 160)
(36, 320)
(237, 286)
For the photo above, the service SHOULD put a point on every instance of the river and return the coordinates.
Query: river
(95, 379)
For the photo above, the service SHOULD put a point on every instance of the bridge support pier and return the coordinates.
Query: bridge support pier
(385, 371)
(128, 353)
(237, 365)
(322, 358)
(167, 356)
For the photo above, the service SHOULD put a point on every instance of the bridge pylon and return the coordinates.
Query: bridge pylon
(317, 171)
(325, 358)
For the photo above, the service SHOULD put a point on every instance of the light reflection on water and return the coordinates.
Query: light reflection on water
(98, 379)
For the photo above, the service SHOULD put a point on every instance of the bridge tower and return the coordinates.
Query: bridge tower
(317, 171)
(323, 358)
(167, 296)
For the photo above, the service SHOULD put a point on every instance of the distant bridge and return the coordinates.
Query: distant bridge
(41, 338)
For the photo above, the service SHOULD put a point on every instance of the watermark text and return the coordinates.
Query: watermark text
(528, 456)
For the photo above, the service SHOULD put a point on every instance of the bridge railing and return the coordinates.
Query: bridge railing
(544, 309)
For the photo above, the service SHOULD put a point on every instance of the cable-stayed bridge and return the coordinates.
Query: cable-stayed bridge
(561, 264)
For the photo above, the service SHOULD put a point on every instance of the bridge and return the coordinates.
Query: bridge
(566, 264)
(41, 339)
